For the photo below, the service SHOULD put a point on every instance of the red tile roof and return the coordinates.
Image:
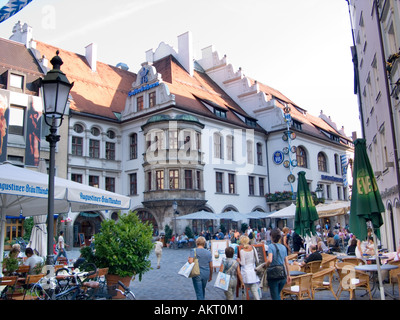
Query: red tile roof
(100, 93)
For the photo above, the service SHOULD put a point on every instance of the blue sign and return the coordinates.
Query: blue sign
(143, 88)
(278, 157)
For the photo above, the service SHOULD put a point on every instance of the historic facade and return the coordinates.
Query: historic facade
(198, 133)
(376, 34)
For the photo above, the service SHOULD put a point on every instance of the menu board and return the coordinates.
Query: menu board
(218, 251)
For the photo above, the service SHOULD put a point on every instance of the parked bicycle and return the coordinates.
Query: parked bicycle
(66, 285)
(129, 295)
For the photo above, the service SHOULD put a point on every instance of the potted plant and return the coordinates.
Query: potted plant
(122, 246)
(10, 265)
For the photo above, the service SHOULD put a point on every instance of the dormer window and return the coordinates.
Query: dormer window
(251, 122)
(16, 81)
(220, 113)
(296, 125)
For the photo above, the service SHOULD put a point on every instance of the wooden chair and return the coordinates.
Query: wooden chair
(393, 273)
(328, 261)
(322, 280)
(356, 261)
(301, 287)
(312, 267)
(23, 270)
(398, 282)
(351, 279)
(9, 283)
(294, 267)
(30, 280)
(62, 261)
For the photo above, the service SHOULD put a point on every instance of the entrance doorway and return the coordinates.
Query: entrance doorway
(88, 223)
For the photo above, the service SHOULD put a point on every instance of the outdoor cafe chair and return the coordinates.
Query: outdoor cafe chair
(354, 260)
(23, 270)
(322, 280)
(394, 273)
(328, 261)
(7, 286)
(299, 288)
(351, 279)
(31, 279)
(312, 267)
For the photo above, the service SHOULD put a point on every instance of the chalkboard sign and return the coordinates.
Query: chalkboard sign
(260, 249)
(81, 239)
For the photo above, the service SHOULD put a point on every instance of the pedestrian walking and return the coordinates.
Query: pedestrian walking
(248, 263)
(205, 265)
(277, 256)
(158, 245)
(61, 247)
(232, 268)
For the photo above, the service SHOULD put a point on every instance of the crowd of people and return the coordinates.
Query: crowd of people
(279, 244)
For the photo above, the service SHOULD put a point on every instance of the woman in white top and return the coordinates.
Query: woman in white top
(158, 245)
(248, 262)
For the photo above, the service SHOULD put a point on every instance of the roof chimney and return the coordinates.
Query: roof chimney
(22, 34)
(185, 51)
(91, 55)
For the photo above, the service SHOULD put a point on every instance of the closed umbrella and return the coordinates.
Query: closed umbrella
(306, 213)
(366, 202)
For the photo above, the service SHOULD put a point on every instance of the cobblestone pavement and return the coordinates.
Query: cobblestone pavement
(166, 284)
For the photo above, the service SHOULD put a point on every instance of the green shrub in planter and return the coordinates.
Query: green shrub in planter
(10, 264)
(122, 246)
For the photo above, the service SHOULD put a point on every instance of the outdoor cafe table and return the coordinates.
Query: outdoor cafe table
(373, 269)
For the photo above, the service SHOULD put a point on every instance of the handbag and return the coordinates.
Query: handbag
(196, 268)
(277, 272)
(186, 269)
(223, 279)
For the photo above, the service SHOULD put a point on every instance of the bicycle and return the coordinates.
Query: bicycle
(129, 295)
(67, 286)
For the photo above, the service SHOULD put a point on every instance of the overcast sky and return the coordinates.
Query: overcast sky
(299, 47)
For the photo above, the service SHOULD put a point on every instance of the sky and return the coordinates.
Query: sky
(299, 47)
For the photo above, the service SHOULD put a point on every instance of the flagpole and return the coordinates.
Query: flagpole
(381, 289)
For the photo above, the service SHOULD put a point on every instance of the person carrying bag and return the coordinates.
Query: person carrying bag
(229, 268)
(277, 266)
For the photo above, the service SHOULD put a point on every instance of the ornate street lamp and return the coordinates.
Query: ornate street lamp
(319, 192)
(55, 90)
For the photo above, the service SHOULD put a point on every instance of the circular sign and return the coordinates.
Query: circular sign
(285, 150)
(292, 136)
(294, 163)
(278, 157)
(291, 178)
(284, 137)
(293, 149)
(286, 163)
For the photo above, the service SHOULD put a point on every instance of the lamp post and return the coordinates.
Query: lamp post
(319, 192)
(175, 208)
(55, 90)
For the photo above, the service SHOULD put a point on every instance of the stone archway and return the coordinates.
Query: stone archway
(88, 223)
(146, 216)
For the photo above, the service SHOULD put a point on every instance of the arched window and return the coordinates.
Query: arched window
(301, 157)
(322, 162)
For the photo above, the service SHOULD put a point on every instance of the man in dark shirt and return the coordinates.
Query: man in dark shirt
(314, 255)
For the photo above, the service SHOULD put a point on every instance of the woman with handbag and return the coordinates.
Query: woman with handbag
(204, 259)
(277, 266)
(247, 261)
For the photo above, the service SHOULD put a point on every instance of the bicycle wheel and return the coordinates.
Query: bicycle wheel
(130, 296)
(38, 293)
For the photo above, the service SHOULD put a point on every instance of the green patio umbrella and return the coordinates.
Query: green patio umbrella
(366, 202)
(306, 213)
